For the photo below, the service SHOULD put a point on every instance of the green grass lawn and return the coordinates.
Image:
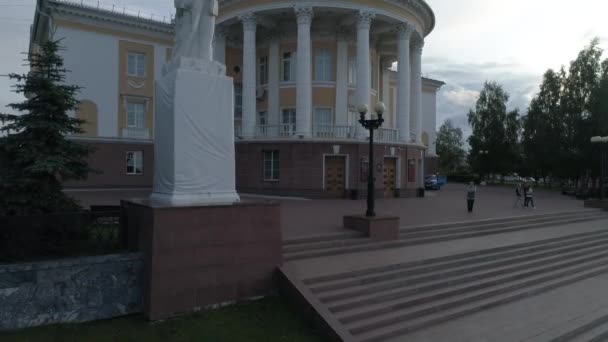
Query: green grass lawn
(266, 320)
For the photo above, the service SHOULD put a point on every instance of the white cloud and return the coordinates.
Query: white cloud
(461, 97)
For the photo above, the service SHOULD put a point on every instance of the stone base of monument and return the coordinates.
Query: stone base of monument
(378, 228)
(198, 257)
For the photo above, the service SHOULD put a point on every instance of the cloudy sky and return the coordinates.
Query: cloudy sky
(512, 42)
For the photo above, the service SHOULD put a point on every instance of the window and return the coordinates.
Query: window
(353, 117)
(271, 165)
(323, 65)
(323, 121)
(288, 121)
(374, 76)
(263, 118)
(263, 70)
(352, 70)
(135, 163)
(136, 64)
(135, 115)
(238, 100)
(288, 64)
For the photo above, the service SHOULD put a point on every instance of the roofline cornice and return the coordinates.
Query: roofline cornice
(419, 8)
(105, 16)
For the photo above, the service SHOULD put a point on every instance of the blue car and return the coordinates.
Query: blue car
(434, 182)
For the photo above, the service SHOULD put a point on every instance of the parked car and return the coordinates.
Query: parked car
(434, 182)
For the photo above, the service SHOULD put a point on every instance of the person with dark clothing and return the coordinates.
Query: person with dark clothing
(518, 194)
(471, 190)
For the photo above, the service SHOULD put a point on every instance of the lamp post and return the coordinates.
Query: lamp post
(483, 154)
(371, 124)
(601, 142)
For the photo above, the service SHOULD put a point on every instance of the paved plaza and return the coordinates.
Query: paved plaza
(497, 274)
(304, 218)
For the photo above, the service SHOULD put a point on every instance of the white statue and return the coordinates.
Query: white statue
(194, 28)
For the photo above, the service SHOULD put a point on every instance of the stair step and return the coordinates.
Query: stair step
(370, 246)
(431, 232)
(451, 260)
(489, 286)
(586, 332)
(395, 279)
(483, 262)
(402, 323)
(496, 220)
(378, 294)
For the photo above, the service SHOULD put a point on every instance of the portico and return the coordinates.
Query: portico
(304, 69)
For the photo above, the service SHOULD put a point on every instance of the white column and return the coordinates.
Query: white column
(219, 45)
(342, 81)
(385, 74)
(249, 65)
(404, 32)
(304, 72)
(364, 85)
(273, 80)
(416, 92)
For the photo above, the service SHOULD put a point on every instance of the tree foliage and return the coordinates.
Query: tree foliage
(35, 156)
(495, 139)
(450, 147)
(570, 107)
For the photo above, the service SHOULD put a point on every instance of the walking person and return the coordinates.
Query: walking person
(530, 197)
(471, 190)
(525, 188)
(518, 196)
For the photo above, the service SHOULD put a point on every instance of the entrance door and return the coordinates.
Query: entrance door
(390, 178)
(335, 176)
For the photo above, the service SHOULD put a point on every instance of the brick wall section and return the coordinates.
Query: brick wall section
(110, 159)
(70, 290)
(197, 257)
(301, 165)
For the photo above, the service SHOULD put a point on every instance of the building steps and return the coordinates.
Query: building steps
(343, 244)
(392, 301)
(593, 331)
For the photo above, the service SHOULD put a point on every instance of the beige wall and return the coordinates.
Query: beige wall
(87, 111)
(125, 83)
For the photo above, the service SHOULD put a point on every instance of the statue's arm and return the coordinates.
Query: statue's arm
(214, 8)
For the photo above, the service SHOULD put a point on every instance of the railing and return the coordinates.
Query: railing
(333, 132)
(275, 131)
(388, 134)
(136, 133)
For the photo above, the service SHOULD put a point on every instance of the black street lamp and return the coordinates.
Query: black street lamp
(371, 124)
(602, 142)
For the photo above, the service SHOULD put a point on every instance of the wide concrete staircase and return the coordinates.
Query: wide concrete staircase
(394, 301)
(352, 242)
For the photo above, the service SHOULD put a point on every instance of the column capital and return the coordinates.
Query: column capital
(364, 19)
(417, 46)
(404, 30)
(304, 14)
(249, 20)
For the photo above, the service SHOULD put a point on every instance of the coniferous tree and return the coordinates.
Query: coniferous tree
(35, 156)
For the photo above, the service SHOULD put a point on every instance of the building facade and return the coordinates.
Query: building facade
(300, 70)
